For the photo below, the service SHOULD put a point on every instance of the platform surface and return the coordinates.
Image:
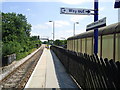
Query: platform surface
(50, 73)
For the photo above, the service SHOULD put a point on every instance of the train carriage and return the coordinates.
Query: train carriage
(108, 42)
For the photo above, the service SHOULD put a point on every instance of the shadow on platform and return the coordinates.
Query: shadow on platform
(64, 79)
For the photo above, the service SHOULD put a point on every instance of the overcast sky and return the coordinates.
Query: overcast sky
(40, 12)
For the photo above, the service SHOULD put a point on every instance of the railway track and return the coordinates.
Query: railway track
(19, 77)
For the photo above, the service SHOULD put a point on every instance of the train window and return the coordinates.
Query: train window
(67, 44)
(117, 53)
(73, 45)
(76, 45)
(89, 45)
(107, 46)
(83, 45)
(99, 47)
(79, 45)
(70, 44)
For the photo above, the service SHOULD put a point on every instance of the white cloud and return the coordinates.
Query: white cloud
(67, 33)
(48, 23)
(39, 27)
(28, 9)
(101, 8)
(77, 31)
(59, 23)
(63, 34)
(81, 1)
(62, 1)
(34, 34)
(78, 18)
(73, 1)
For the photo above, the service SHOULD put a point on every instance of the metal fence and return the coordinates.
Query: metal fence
(90, 71)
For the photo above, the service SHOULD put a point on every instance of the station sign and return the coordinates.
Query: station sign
(117, 4)
(97, 24)
(76, 11)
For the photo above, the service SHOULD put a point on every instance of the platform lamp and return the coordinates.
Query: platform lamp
(74, 28)
(53, 29)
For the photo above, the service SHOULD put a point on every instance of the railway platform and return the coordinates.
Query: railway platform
(50, 73)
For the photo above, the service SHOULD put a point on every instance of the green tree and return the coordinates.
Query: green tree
(60, 42)
(16, 34)
(14, 25)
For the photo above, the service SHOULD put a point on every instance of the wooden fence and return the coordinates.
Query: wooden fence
(90, 71)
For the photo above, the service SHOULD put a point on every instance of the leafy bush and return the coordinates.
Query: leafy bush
(11, 47)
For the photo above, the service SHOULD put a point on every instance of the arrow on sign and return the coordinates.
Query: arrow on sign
(88, 11)
(63, 10)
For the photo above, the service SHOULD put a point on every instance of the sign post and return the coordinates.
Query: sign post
(96, 29)
(117, 6)
(78, 11)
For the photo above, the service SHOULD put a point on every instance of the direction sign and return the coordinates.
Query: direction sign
(97, 24)
(77, 11)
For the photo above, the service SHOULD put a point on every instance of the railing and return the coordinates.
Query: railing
(90, 71)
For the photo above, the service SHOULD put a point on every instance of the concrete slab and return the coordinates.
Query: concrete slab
(37, 79)
(51, 79)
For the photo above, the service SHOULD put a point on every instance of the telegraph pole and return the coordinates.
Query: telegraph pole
(96, 29)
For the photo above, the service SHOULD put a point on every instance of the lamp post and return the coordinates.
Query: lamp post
(53, 30)
(74, 32)
(74, 28)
